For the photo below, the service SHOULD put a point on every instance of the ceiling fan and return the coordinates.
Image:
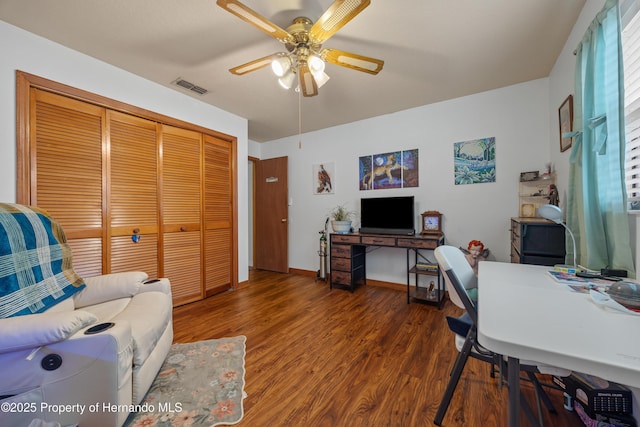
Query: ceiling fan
(303, 40)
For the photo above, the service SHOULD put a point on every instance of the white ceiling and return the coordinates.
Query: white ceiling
(433, 51)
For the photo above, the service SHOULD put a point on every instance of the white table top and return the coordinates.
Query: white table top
(524, 313)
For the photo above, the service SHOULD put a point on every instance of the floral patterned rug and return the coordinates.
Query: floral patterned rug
(199, 384)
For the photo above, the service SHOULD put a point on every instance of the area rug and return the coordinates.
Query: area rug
(199, 384)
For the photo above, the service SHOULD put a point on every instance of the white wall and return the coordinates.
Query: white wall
(516, 116)
(254, 149)
(27, 52)
(522, 118)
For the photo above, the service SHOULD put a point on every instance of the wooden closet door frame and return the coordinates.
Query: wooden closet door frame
(25, 82)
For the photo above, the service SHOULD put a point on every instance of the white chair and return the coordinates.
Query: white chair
(459, 277)
(87, 343)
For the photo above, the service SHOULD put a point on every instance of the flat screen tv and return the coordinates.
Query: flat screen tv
(387, 215)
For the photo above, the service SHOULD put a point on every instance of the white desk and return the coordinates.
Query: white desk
(525, 314)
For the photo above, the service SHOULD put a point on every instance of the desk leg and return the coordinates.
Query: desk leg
(408, 278)
(513, 379)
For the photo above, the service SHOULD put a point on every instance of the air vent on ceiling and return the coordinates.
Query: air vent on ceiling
(190, 86)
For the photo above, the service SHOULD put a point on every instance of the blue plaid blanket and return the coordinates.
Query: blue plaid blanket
(35, 262)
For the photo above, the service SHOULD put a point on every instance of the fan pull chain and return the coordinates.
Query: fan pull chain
(299, 119)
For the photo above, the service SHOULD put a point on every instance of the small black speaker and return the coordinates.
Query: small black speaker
(613, 272)
(51, 362)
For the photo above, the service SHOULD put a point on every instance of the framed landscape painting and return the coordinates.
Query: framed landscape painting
(475, 161)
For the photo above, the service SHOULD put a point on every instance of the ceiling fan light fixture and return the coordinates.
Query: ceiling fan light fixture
(316, 64)
(281, 65)
(321, 78)
(305, 58)
(286, 81)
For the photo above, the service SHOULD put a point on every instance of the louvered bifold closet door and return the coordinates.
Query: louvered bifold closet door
(181, 213)
(133, 194)
(218, 214)
(67, 172)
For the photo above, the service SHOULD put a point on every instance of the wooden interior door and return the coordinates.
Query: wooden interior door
(67, 172)
(181, 213)
(133, 194)
(272, 215)
(218, 215)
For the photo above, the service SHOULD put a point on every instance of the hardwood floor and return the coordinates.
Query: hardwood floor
(321, 357)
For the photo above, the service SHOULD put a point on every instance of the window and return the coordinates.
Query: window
(630, 21)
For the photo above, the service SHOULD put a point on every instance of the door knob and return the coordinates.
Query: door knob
(283, 220)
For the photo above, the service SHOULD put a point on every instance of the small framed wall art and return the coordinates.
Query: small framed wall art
(565, 120)
(323, 178)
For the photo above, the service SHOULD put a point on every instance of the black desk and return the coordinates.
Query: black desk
(349, 260)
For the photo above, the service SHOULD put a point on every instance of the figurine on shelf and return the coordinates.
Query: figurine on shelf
(475, 252)
(554, 198)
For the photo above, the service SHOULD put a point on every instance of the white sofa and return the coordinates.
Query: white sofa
(100, 375)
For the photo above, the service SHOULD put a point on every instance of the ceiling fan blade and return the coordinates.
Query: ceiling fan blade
(255, 19)
(253, 65)
(353, 61)
(307, 82)
(336, 17)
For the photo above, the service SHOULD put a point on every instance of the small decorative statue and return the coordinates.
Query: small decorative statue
(475, 252)
(553, 197)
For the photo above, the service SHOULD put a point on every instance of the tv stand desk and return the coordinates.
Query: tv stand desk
(349, 261)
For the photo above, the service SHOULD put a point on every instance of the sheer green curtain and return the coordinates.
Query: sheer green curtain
(597, 205)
